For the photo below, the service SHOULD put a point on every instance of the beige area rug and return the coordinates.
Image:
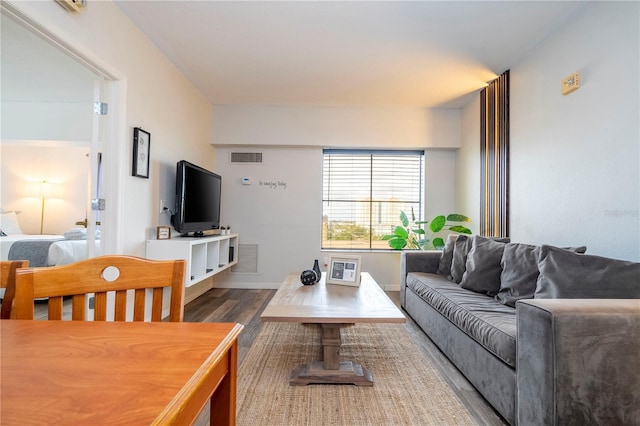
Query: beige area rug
(407, 389)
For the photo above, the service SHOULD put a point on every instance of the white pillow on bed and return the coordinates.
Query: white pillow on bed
(9, 223)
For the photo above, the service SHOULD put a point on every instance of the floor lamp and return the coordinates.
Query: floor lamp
(43, 186)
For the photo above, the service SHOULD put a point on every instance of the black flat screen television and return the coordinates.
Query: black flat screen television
(197, 199)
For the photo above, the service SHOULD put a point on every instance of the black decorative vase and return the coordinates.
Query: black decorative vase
(308, 277)
(316, 268)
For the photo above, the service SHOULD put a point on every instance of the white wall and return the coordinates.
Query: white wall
(575, 160)
(286, 222)
(158, 98)
(468, 165)
(65, 168)
(371, 127)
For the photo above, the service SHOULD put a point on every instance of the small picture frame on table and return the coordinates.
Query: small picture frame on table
(141, 153)
(344, 270)
(163, 232)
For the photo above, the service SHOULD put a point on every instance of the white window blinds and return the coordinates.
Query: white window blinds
(364, 192)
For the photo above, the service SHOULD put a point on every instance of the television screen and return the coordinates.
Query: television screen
(197, 199)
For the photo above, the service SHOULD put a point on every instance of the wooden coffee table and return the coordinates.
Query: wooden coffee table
(333, 307)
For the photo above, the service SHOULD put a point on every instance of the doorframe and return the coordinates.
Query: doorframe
(116, 123)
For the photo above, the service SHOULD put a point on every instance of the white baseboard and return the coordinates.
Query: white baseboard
(390, 287)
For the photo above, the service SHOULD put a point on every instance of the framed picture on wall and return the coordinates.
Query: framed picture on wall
(141, 153)
(344, 270)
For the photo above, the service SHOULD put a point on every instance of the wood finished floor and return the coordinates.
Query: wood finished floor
(245, 307)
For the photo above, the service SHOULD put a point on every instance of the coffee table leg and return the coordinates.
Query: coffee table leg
(331, 370)
(331, 341)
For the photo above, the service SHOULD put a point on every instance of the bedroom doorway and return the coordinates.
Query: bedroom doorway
(53, 126)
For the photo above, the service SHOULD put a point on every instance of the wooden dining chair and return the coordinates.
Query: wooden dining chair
(8, 282)
(99, 275)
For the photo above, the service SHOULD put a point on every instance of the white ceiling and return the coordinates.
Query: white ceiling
(345, 53)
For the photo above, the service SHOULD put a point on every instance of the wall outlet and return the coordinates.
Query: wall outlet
(571, 83)
(162, 206)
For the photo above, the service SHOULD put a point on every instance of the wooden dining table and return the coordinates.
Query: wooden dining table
(110, 373)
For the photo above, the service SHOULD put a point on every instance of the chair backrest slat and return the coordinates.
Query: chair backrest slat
(101, 276)
(121, 306)
(100, 306)
(8, 282)
(79, 302)
(156, 311)
(55, 308)
(139, 305)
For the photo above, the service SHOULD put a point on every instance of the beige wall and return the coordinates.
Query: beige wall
(65, 168)
(575, 159)
(157, 97)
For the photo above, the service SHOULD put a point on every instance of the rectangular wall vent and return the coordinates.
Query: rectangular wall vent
(246, 158)
(247, 259)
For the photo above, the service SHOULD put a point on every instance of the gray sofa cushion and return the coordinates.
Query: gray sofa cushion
(488, 322)
(567, 275)
(444, 266)
(483, 268)
(520, 272)
(461, 249)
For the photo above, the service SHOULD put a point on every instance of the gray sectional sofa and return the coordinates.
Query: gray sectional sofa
(547, 335)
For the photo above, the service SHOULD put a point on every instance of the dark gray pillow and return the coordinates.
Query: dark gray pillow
(483, 269)
(444, 266)
(461, 249)
(567, 275)
(519, 275)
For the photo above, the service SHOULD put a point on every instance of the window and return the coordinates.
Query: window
(363, 193)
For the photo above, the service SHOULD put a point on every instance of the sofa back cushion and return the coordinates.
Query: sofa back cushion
(461, 249)
(567, 275)
(482, 269)
(444, 265)
(519, 274)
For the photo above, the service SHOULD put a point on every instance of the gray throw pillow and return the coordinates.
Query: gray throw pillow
(461, 249)
(567, 275)
(444, 265)
(482, 273)
(519, 275)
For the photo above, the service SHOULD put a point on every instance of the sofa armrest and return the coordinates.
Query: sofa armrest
(578, 361)
(417, 261)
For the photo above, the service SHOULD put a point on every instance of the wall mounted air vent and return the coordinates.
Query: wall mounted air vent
(246, 158)
(247, 259)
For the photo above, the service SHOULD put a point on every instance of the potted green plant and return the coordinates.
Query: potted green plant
(410, 234)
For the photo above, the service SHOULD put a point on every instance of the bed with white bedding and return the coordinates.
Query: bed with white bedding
(60, 251)
(42, 250)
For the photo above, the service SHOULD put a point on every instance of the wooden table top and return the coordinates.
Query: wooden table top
(77, 372)
(331, 303)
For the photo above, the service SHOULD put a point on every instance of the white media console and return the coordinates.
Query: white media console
(205, 256)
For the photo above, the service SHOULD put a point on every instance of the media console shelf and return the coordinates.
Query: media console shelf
(205, 256)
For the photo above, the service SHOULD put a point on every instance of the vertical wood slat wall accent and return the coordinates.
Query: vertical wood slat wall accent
(494, 155)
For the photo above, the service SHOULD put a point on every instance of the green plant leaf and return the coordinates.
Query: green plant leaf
(401, 232)
(460, 229)
(437, 223)
(418, 231)
(388, 237)
(397, 243)
(438, 243)
(455, 217)
(404, 219)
